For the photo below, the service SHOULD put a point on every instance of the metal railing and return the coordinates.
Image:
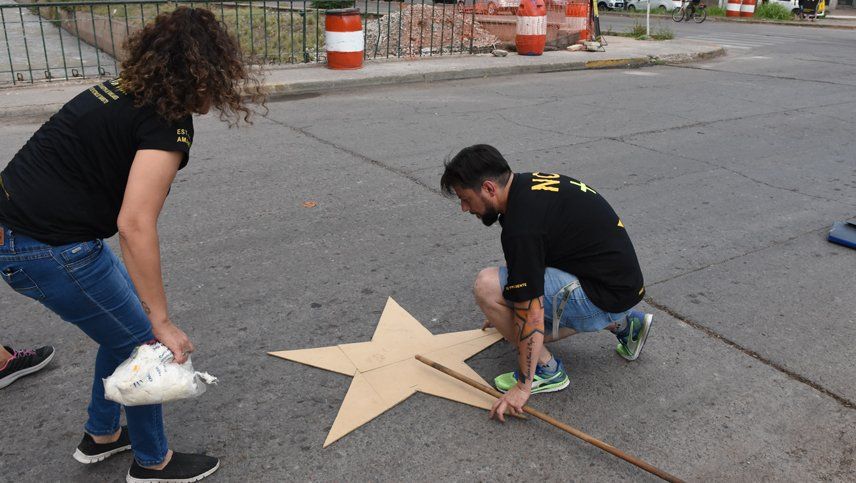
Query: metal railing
(48, 41)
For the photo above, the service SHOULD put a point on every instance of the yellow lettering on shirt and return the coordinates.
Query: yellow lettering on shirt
(183, 139)
(3, 187)
(544, 185)
(620, 224)
(545, 182)
(583, 187)
(107, 91)
(512, 287)
(98, 95)
(641, 290)
(117, 83)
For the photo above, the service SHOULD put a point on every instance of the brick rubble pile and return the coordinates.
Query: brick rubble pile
(424, 29)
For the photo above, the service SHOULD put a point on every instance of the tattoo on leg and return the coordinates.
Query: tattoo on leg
(527, 374)
(528, 328)
(146, 308)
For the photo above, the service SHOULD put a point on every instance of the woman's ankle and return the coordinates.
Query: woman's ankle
(107, 438)
(4, 356)
(161, 466)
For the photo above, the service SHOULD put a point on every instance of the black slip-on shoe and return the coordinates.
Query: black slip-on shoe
(88, 451)
(24, 362)
(182, 468)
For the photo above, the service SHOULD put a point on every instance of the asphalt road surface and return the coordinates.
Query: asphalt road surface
(727, 174)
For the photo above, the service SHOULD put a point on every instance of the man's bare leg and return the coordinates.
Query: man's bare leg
(489, 298)
(499, 315)
(563, 332)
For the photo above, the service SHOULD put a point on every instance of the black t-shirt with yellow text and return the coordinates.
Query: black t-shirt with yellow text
(67, 183)
(556, 221)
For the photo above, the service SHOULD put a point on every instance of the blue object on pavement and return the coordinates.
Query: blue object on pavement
(843, 233)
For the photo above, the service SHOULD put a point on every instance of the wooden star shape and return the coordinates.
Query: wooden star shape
(386, 373)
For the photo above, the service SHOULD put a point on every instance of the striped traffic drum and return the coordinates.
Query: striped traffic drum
(748, 8)
(733, 8)
(531, 27)
(343, 37)
(577, 19)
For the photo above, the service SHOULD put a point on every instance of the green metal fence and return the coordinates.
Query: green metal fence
(49, 41)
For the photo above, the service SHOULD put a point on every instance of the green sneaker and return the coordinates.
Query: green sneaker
(630, 343)
(544, 381)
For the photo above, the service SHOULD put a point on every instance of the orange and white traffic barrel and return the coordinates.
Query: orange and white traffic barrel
(748, 8)
(531, 27)
(732, 9)
(577, 19)
(343, 36)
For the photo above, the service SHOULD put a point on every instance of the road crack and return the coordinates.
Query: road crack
(755, 74)
(735, 257)
(372, 161)
(734, 171)
(847, 403)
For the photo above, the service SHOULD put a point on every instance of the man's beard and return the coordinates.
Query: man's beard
(489, 217)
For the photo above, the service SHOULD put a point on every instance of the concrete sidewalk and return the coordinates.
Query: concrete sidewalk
(44, 99)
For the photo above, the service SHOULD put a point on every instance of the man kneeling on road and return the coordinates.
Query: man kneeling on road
(570, 267)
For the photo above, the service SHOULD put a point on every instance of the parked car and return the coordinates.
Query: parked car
(657, 6)
(610, 4)
(794, 6)
(487, 7)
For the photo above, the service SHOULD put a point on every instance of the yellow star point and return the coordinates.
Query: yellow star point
(385, 372)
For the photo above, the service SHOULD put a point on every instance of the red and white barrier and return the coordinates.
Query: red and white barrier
(732, 9)
(531, 27)
(748, 8)
(577, 19)
(343, 36)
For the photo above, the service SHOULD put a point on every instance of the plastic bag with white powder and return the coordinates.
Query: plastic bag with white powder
(151, 376)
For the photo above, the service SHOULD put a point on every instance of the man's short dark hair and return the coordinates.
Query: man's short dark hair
(473, 166)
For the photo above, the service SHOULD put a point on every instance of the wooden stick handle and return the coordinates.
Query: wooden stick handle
(538, 414)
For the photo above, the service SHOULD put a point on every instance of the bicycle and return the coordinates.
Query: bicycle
(688, 10)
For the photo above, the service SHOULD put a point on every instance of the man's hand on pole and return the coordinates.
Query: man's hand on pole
(512, 401)
(529, 317)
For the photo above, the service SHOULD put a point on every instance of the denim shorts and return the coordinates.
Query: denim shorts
(578, 312)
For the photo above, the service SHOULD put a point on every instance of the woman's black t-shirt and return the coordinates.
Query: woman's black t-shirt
(67, 183)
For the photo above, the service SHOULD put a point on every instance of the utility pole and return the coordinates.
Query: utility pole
(648, 20)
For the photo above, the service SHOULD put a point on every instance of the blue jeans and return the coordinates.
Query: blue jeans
(86, 285)
(577, 311)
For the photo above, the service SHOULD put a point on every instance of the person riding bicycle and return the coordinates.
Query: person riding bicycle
(691, 8)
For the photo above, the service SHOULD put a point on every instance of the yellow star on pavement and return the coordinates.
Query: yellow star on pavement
(386, 373)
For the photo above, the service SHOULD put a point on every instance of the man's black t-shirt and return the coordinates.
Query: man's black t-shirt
(67, 183)
(557, 221)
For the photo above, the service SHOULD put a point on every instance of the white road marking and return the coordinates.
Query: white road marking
(742, 41)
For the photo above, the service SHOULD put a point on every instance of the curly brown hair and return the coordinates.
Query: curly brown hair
(186, 62)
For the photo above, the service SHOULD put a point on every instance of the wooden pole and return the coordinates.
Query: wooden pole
(579, 434)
